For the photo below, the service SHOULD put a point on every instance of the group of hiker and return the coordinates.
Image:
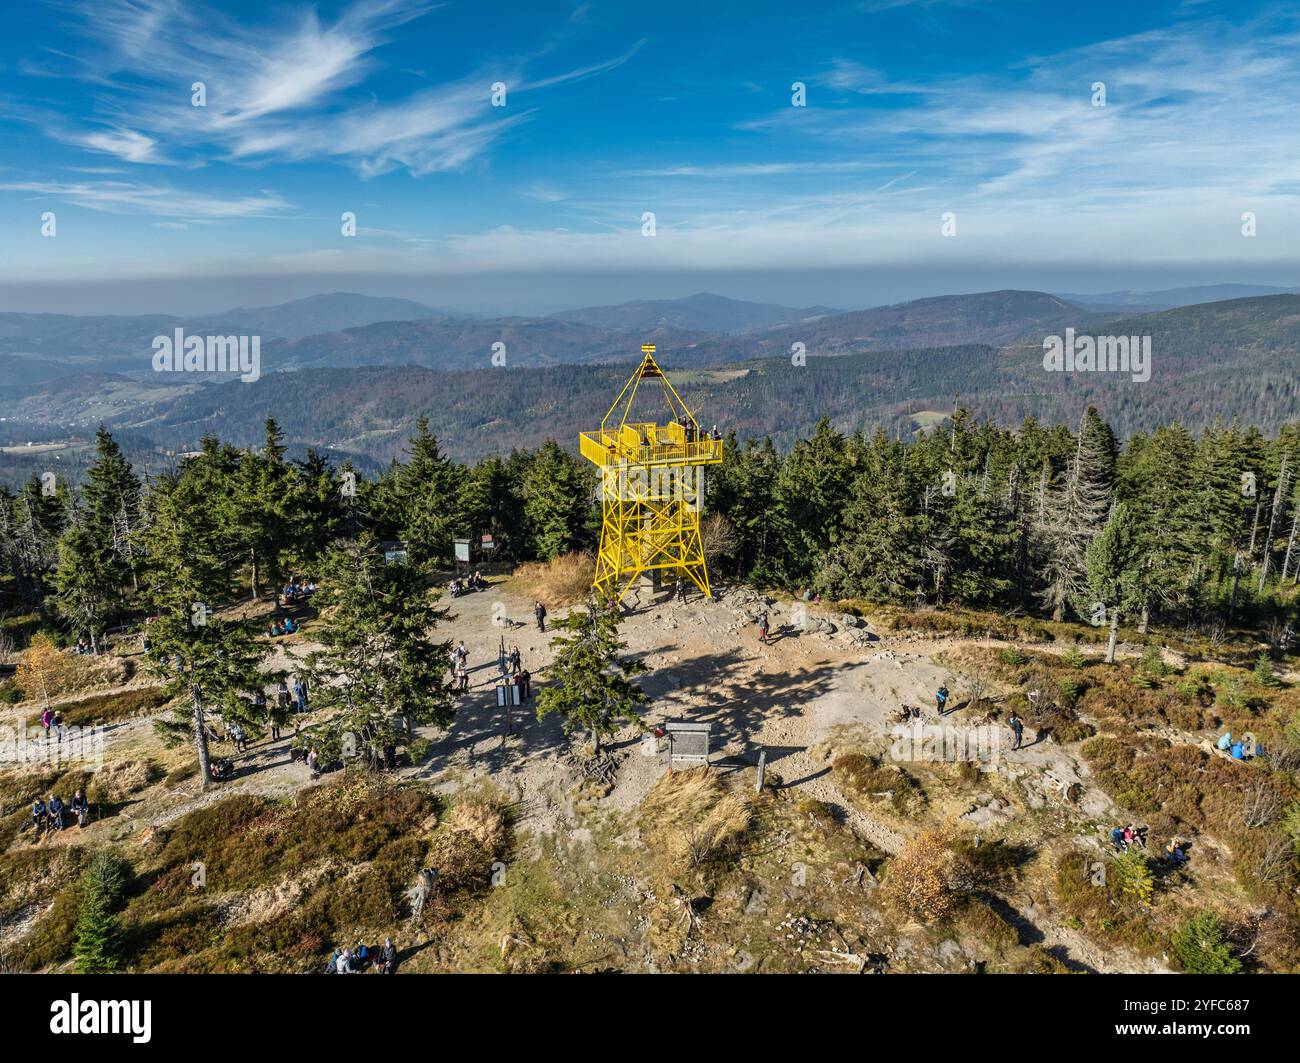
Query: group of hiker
(52, 721)
(1125, 838)
(1014, 721)
(695, 434)
(297, 590)
(287, 626)
(51, 814)
(460, 586)
(1236, 748)
(511, 667)
(1122, 839)
(362, 958)
(287, 702)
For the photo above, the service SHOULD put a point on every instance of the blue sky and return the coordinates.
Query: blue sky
(384, 108)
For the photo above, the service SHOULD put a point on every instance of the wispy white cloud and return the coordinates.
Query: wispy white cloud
(130, 197)
(760, 169)
(287, 91)
(126, 144)
(1196, 129)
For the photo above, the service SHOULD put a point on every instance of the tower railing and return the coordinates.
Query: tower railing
(602, 449)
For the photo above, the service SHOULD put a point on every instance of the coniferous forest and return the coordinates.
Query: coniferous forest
(1165, 529)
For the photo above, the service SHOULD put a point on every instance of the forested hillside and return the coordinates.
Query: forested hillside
(486, 411)
(1194, 528)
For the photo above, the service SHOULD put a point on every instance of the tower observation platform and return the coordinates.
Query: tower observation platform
(651, 485)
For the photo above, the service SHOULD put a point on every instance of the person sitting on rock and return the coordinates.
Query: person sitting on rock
(80, 808)
(54, 812)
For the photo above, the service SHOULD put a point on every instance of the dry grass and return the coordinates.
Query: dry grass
(694, 818)
(44, 671)
(562, 581)
(482, 820)
(95, 709)
(119, 779)
(278, 900)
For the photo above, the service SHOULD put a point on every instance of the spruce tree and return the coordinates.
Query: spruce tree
(811, 491)
(1201, 947)
(1074, 513)
(590, 684)
(379, 669)
(878, 554)
(198, 653)
(98, 948)
(87, 582)
(38, 521)
(559, 506)
(111, 506)
(425, 493)
(1114, 572)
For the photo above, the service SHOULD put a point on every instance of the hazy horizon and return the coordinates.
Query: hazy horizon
(511, 294)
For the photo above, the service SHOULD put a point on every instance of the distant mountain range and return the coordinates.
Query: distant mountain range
(343, 330)
(1211, 360)
(35, 346)
(941, 321)
(530, 342)
(347, 330)
(466, 343)
(1173, 297)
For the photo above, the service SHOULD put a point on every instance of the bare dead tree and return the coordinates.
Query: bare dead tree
(1272, 859)
(1261, 804)
(717, 537)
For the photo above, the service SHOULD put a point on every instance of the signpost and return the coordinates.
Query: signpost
(508, 695)
(688, 744)
(463, 549)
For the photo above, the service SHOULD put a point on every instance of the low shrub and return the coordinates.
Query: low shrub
(1201, 947)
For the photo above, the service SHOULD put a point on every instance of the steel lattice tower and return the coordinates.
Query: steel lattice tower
(652, 488)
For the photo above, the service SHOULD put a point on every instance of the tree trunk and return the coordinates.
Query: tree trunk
(1290, 543)
(1114, 636)
(201, 739)
(1236, 584)
(595, 739)
(1146, 615)
(252, 559)
(1272, 523)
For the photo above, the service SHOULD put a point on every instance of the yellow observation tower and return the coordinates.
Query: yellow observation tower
(651, 486)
